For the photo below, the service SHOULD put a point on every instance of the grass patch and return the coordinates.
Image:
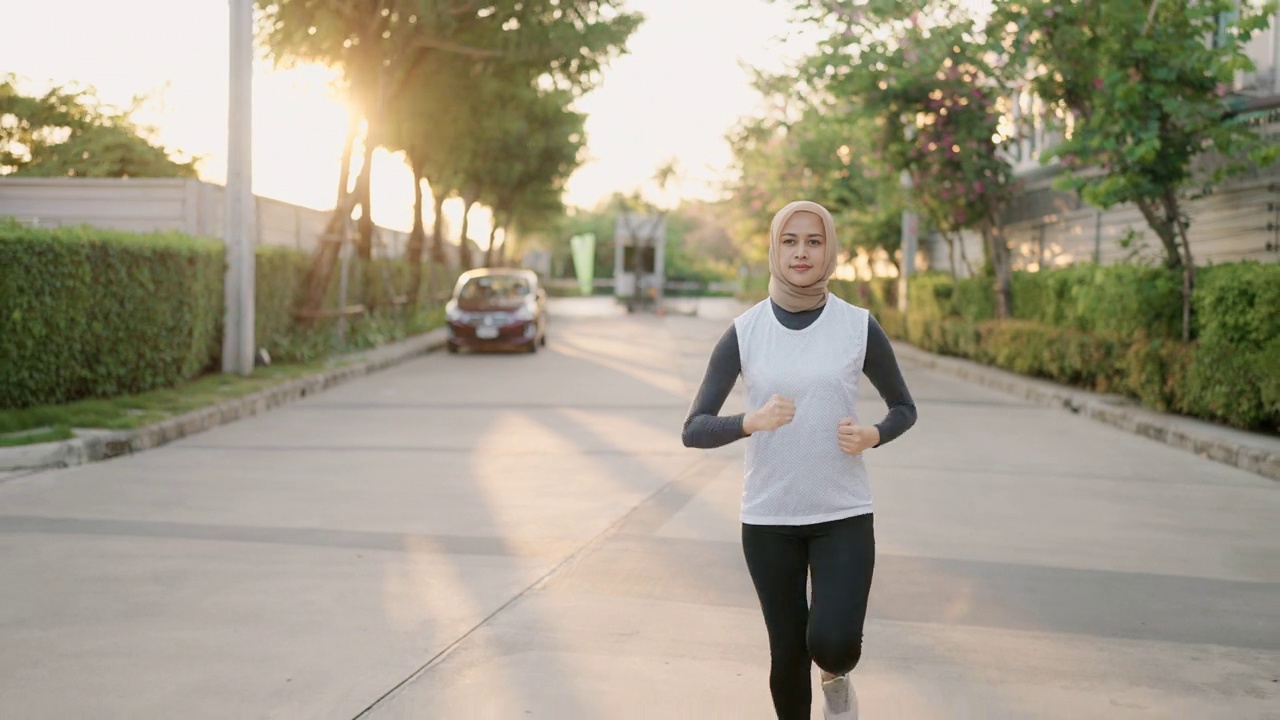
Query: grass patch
(133, 411)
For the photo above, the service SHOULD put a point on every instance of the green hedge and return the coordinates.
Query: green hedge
(88, 312)
(280, 276)
(1234, 375)
(1124, 299)
(1115, 329)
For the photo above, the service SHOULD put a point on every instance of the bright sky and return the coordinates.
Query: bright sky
(675, 95)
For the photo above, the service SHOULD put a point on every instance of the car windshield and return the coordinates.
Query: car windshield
(495, 288)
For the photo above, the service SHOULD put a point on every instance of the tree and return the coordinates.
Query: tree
(492, 137)
(807, 149)
(536, 211)
(1145, 83)
(924, 71)
(538, 144)
(381, 45)
(69, 133)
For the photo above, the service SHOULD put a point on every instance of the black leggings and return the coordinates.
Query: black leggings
(839, 556)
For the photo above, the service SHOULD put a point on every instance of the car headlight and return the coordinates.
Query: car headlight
(524, 313)
(452, 313)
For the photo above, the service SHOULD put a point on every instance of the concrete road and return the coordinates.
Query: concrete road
(515, 536)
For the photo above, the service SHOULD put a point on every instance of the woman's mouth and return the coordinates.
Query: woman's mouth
(802, 268)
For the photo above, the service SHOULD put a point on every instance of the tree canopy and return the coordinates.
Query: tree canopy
(69, 133)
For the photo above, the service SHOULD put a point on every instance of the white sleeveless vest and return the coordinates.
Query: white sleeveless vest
(797, 474)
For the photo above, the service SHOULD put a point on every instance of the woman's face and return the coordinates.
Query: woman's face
(802, 249)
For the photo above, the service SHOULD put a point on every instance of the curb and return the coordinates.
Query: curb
(94, 445)
(1258, 454)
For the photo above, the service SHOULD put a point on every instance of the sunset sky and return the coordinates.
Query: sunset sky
(674, 96)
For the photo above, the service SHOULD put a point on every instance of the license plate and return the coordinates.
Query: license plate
(487, 333)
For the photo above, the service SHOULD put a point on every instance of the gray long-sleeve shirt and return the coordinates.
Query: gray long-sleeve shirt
(705, 428)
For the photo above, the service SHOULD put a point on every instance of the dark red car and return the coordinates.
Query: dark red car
(497, 308)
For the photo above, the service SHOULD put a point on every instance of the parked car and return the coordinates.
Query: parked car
(497, 308)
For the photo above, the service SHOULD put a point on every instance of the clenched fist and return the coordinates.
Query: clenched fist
(777, 412)
(853, 439)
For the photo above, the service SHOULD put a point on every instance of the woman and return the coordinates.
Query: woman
(806, 504)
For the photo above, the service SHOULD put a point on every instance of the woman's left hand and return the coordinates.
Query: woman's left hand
(853, 439)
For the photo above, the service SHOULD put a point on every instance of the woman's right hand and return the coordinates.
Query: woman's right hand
(777, 412)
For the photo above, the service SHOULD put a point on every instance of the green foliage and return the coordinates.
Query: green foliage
(476, 97)
(1122, 299)
(86, 312)
(1238, 304)
(1234, 376)
(91, 313)
(68, 133)
(1236, 385)
(1146, 95)
(698, 246)
(279, 279)
(518, 160)
(912, 89)
(818, 153)
(584, 222)
(1156, 372)
(973, 300)
(1113, 329)
(1090, 360)
(929, 83)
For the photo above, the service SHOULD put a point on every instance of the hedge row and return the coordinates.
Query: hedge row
(1112, 329)
(95, 313)
(86, 312)
(1123, 299)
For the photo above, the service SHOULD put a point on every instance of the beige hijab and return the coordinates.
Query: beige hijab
(797, 298)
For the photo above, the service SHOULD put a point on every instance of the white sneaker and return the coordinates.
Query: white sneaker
(839, 701)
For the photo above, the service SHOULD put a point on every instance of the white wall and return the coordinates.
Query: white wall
(147, 205)
(1228, 226)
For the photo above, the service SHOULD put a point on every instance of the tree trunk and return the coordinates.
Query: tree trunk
(413, 251)
(364, 226)
(502, 248)
(488, 252)
(326, 256)
(1157, 215)
(437, 227)
(501, 224)
(464, 246)
(998, 255)
(1164, 217)
(348, 145)
(951, 254)
(964, 256)
(1174, 209)
(363, 193)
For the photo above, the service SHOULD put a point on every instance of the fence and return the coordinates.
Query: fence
(1239, 222)
(146, 205)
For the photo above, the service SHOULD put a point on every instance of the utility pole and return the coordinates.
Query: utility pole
(237, 223)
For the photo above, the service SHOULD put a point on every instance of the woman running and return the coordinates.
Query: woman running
(806, 503)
